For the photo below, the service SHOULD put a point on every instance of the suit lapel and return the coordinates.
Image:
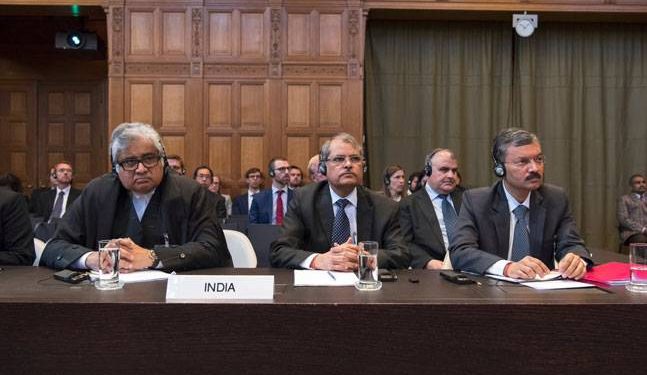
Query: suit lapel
(429, 213)
(324, 207)
(364, 216)
(537, 220)
(501, 219)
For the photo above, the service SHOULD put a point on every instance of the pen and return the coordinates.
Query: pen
(332, 276)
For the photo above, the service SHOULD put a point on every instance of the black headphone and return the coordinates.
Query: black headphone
(387, 180)
(427, 170)
(499, 167)
(270, 167)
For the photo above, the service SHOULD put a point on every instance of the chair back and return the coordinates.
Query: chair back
(39, 246)
(241, 250)
(262, 236)
(237, 222)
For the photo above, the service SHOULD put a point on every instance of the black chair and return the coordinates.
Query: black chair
(237, 222)
(262, 236)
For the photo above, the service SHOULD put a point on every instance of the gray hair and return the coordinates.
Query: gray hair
(125, 133)
(437, 151)
(510, 137)
(342, 137)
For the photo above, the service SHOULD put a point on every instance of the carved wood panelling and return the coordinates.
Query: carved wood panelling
(17, 133)
(220, 105)
(173, 103)
(330, 35)
(82, 105)
(330, 105)
(158, 69)
(82, 133)
(252, 35)
(253, 105)
(18, 164)
(141, 102)
(17, 103)
(297, 104)
(235, 70)
(252, 153)
(174, 39)
(56, 103)
(299, 152)
(18, 108)
(315, 69)
(56, 134)
(142, 33)
(82, 163)
(220, 155)
(174, 145)
(299, 36)
(220, 34)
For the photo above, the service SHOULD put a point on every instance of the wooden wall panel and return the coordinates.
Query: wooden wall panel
(82, 163)
(220, 155)
(298, 31)
(299, 152)
(297, 103)
(219, 105)
(17, 133)
(82, 132)
(252, 105)
(330, 105)
(330, 34)
(173, 33)
(141, 102)
(252, 35)
(56, 134)
(174, 145)
(82, 103)
(142, 33)
(252, 153)
(220, 34)
(56, 102)
(17, 103)
(19, 164)
(173, 103)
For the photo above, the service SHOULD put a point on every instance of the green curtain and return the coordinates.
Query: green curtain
(581, 88)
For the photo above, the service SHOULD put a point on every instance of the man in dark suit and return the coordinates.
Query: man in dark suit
(632, 212)
(270, 205)
(243, 202)
(160, 219)
(52, 204)
(16, 239)
(429, 216)
(203, 175)
(519, 226)
(327, 219)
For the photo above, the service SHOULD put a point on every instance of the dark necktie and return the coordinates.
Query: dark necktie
(58, 206)
(521, 239)
(449, 216)
(341, 225)
(279, 208)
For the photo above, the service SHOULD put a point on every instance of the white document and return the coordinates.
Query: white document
(136, 277)
(323, 278)
(557, 284)
(549, 276)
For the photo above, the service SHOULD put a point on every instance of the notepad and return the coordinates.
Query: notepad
(323, 278)
(137, 276)
(612, 273)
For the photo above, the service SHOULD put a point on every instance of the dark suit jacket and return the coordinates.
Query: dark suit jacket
(240, 206)
(632, 215)
(482, 232)
(261, 211)
(221, 205)
(196, 238)
(420, 227)
(307, 227)
(16, 239)
(42, 203)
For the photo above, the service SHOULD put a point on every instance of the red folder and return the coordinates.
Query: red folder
(612, 273)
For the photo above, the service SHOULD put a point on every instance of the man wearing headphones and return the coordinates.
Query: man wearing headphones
(328, 219)
(162, 220)
(428, 217)
(269, 206)
(53, 203)
(519, 226)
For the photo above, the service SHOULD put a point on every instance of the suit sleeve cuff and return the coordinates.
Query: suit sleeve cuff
(306, 263)
(498, 267)
(79, 264)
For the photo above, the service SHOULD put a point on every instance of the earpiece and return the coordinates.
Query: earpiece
(322, 165)
(499, 168)
(270, 168)
(387, 180)
(427, 170)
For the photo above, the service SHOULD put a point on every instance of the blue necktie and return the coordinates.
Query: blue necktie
(341, 225)
(449, 216)
(58, 206)
(521, 239)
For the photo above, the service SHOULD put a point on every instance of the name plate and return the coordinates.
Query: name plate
(196, 288)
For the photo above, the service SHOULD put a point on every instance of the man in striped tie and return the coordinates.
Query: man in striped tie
(520, 226)
(326, 220)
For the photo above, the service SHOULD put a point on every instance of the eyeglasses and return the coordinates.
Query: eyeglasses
(524, 162)
(341, 159)
(282, 169)
(149, 161)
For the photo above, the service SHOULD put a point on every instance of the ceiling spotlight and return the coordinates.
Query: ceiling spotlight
(525, 24)
(76, 40)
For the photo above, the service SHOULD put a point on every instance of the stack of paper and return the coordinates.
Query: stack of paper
(549, 281)
(323, 278)
(613, 273)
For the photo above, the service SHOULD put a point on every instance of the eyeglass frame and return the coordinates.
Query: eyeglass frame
(141, 161)
(341, 159)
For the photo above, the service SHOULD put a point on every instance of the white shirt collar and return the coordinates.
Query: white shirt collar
(512, 201)
(275, 189)
(433, 194)
(145, 197)
(66, 190)
(352, 197)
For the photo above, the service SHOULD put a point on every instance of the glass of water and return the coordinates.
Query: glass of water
(108, 266)
(637, 268)
(367, 270)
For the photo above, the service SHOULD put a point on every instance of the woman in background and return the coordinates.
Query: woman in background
(394, 182)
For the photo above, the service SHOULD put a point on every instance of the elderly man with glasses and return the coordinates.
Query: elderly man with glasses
(162, 220)
(326, 220)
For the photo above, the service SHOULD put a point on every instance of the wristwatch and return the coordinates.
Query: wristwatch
(153, 256)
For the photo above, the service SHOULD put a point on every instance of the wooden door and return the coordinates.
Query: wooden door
(71, 127)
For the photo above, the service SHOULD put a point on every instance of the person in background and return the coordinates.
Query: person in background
(270, 205)
(203, 175)
(176, 163)
(215, 188)
(296, 177)
(632, 212)
(16, 238)
(414, 182)
(53, 203)
(243, 202)
(161, 220)
(393, 182)
(314, 173)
